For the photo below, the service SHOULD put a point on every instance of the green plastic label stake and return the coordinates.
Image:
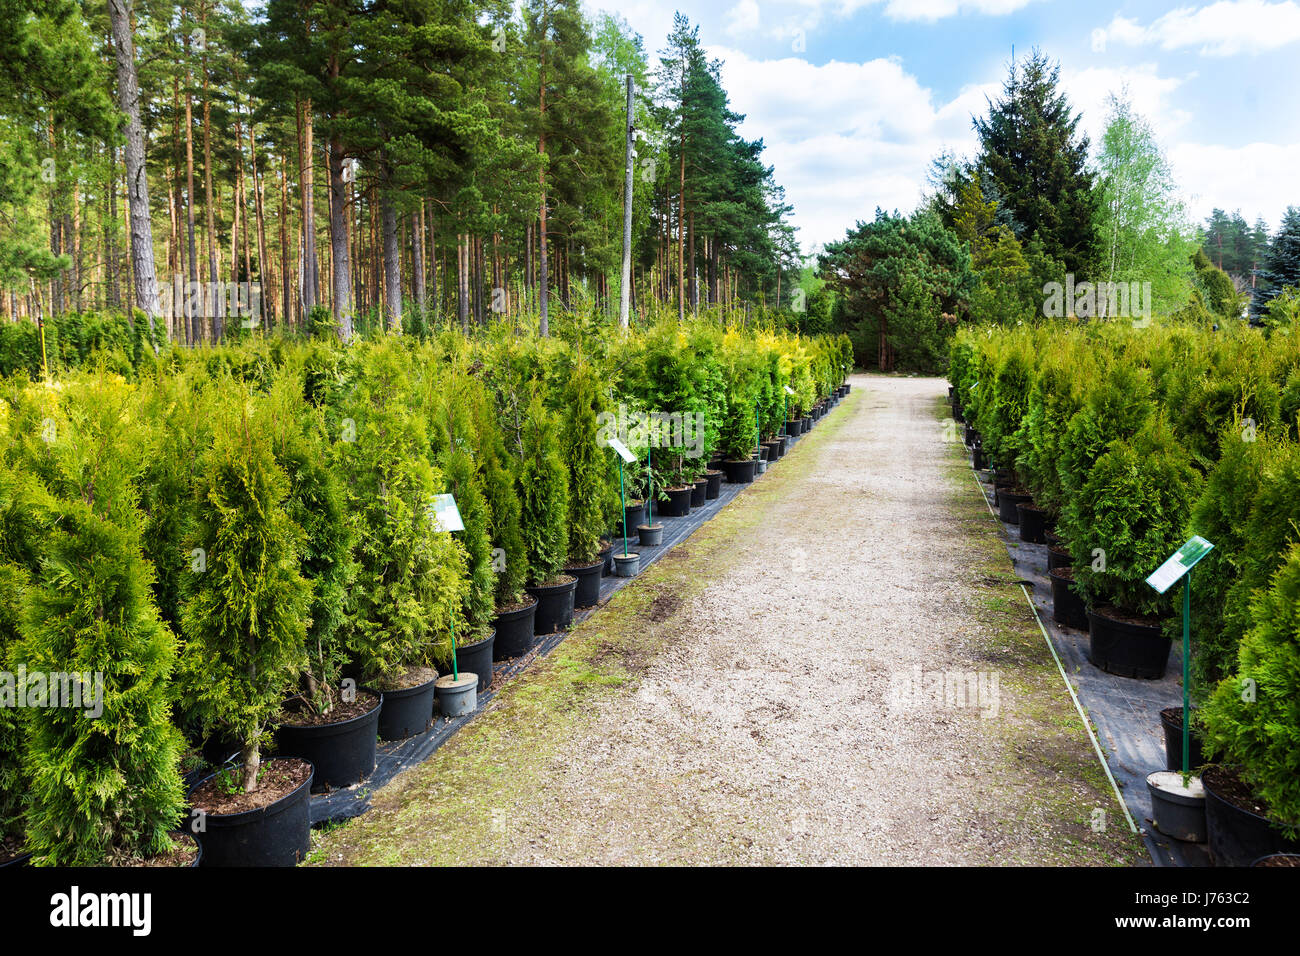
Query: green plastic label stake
(1180, 565)
(649, 495)
(455, 668)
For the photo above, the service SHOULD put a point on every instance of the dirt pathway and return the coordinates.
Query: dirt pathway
(838, 669)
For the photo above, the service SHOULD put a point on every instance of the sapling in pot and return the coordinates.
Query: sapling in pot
(544, 498)
(1252, 727)
(102, 768)
(592, 496)
(244, 617)
(1127, 519)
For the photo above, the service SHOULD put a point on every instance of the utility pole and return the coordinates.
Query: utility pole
(625, 298)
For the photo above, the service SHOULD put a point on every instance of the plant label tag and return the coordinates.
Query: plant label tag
(789, 390)
(445, 514)
(1182, 561)
(619, 447)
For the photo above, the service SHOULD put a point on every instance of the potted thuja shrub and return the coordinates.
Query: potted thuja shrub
(1123, 524)
(739, 425)
(591, 493)
(332, 721)
(410, 575)
(473, 635)
(1252, 731)
(100, 754)
(244, 617)
(544, 499)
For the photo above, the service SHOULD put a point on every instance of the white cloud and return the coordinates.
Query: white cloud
(845, 138)
(1225, 28)
(1252, 177)
(1150, 93)
(743, 18)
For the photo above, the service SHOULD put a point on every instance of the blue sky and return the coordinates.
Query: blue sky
(854, 97)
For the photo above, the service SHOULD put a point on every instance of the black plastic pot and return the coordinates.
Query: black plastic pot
(700, 493)
(1007, 502)
(554, 607)
(1238, 837)
(607, 560)
(476, 658)
(1282, 859)
(794, 427)
(678, 504)
(1125, 648)
(515, 632)
(1171, 719)
(650, 537)
(972, 436)
(807, 424)
(587, 593)
(341, 753)
(407, 712)
(633, 515)
(1058, 557)
(1033, 523)
(715, 484)
(1175, 811)
(740, 472)
(278, 834)
(20, 860)
(1068, 608)
(978, 459)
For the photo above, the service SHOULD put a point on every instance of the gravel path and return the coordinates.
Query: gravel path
(776, 719)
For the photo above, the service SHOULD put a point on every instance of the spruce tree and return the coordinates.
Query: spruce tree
(1281, 265)
(1031, 148)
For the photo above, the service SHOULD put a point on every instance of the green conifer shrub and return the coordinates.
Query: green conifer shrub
(543, 495)
(104, 779)
(245, 607)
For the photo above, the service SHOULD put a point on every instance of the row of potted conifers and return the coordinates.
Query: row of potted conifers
(1210, 809)
(640, 519)
(339, 754)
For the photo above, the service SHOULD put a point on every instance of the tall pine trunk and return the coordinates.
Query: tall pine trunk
(137, 181)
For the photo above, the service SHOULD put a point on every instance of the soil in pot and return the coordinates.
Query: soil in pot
(12, 852)
(1033, 523)
(269, 827)
(1068, 608)
(678, 504)
(1126, 644)
(1171, 720)
(1058, 556)
(1008, 499)
(740, 472)
(476, 658)
(1279, 859)
(340, 745)
(186, 853)
(408, 707)
(1177, 811)
(554, 604)
(714, 479)
(588, 590)
(515, 629)
(1240, 830)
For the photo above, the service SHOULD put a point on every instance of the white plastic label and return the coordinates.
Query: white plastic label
(445, 515)
(619, 447)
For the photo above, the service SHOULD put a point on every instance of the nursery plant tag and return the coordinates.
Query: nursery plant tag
(1183, 560)
(789, 390)
(619, 447)
(445, 514)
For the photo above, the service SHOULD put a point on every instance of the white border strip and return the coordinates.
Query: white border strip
(1087, 724)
